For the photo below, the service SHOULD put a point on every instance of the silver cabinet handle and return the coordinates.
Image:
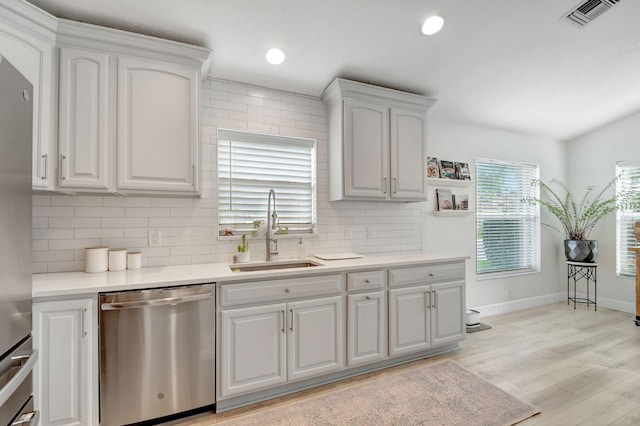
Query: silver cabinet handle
(45, 158)
(83, 322)
(384, 185)
(429, 299)
(62, 158)
(282, 319)
(434, 299)
(26, 419)
(155, 302)
(193, 168)
(291, 323)
(12, 379)
(395, 185)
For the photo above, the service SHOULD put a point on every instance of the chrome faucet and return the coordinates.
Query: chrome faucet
(272, 219)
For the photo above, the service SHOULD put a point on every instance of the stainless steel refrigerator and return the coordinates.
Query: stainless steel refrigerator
(17, 357)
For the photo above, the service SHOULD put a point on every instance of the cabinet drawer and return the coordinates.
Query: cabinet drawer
(365, 280)
(426, 274)
(276, 290)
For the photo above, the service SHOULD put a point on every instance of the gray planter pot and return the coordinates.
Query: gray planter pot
(581, 250)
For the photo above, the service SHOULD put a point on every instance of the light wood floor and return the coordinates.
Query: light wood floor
(580, 367)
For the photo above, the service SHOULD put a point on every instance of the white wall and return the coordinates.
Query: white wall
(464, 143)
(591, 160)
(64, 225)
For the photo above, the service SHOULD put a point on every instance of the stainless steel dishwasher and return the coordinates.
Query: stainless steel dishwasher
(157, 354)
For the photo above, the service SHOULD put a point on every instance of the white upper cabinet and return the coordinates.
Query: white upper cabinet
(366, 149)
(27, 40)
(157, 118)
(129, 112)
(84, 119)
(377, 142)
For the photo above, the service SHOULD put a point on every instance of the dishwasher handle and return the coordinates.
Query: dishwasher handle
(116, 306)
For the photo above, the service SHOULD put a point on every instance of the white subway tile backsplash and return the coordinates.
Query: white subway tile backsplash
(74, 222)
(72, 200)
(50, 211)
(63, 225)
(99, 212)
(73, 244)
(99, 233)
(147, 212)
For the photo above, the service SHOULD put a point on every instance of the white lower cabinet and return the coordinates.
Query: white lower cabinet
(447, 309)
(409, 318)
(253, 347)
(315, 337)
(425, 316)
(66, 375)
(264, 346)
(366, 327)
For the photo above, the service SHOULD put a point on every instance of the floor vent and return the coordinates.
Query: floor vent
(589, 10)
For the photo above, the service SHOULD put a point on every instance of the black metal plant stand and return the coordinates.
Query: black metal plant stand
(578, 271)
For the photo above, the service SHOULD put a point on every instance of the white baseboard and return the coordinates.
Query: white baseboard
(517, 305)
(532, 302)
(629, 307)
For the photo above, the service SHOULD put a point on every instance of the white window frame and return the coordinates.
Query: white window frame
(263, 185)
(628, 173)
(514, 209)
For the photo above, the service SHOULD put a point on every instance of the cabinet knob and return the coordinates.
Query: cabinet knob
(286, 290)
(367, 281)
(431, 274)
(367, 298)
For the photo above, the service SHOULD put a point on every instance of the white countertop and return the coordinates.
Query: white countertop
(82, 283)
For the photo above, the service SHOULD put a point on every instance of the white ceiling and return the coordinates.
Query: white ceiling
(508, 64)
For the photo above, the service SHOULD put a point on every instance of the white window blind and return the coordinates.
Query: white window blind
(628, 181)
(507, 229)
(250, 164)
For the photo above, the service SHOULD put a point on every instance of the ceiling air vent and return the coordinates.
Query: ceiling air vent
(589, 10)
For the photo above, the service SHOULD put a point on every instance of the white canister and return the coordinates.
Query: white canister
(96, 259)
(117, 259)
(134, 260)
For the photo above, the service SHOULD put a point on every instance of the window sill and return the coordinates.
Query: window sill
(506, 274)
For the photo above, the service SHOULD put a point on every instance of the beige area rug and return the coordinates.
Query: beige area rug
(439, 394)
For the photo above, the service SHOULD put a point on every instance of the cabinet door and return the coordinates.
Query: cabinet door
(408, 136)
(252, 349)
(84, 119)
(157, 114)
(409, 320)
(366, 327)
(315, 337)
(33, 57)
(447, 320)
(65, 384)
(366, 149)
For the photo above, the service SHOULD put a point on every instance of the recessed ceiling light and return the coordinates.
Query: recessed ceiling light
(432, 25)
(275, 56)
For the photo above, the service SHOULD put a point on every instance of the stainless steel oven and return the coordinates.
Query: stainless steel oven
(157, 354)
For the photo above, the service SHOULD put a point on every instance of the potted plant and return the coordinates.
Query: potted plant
(577, 219)
(243, 254)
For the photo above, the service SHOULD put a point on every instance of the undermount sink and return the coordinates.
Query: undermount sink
(268, 266)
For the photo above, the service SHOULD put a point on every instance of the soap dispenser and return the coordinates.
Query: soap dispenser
(300, 250)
